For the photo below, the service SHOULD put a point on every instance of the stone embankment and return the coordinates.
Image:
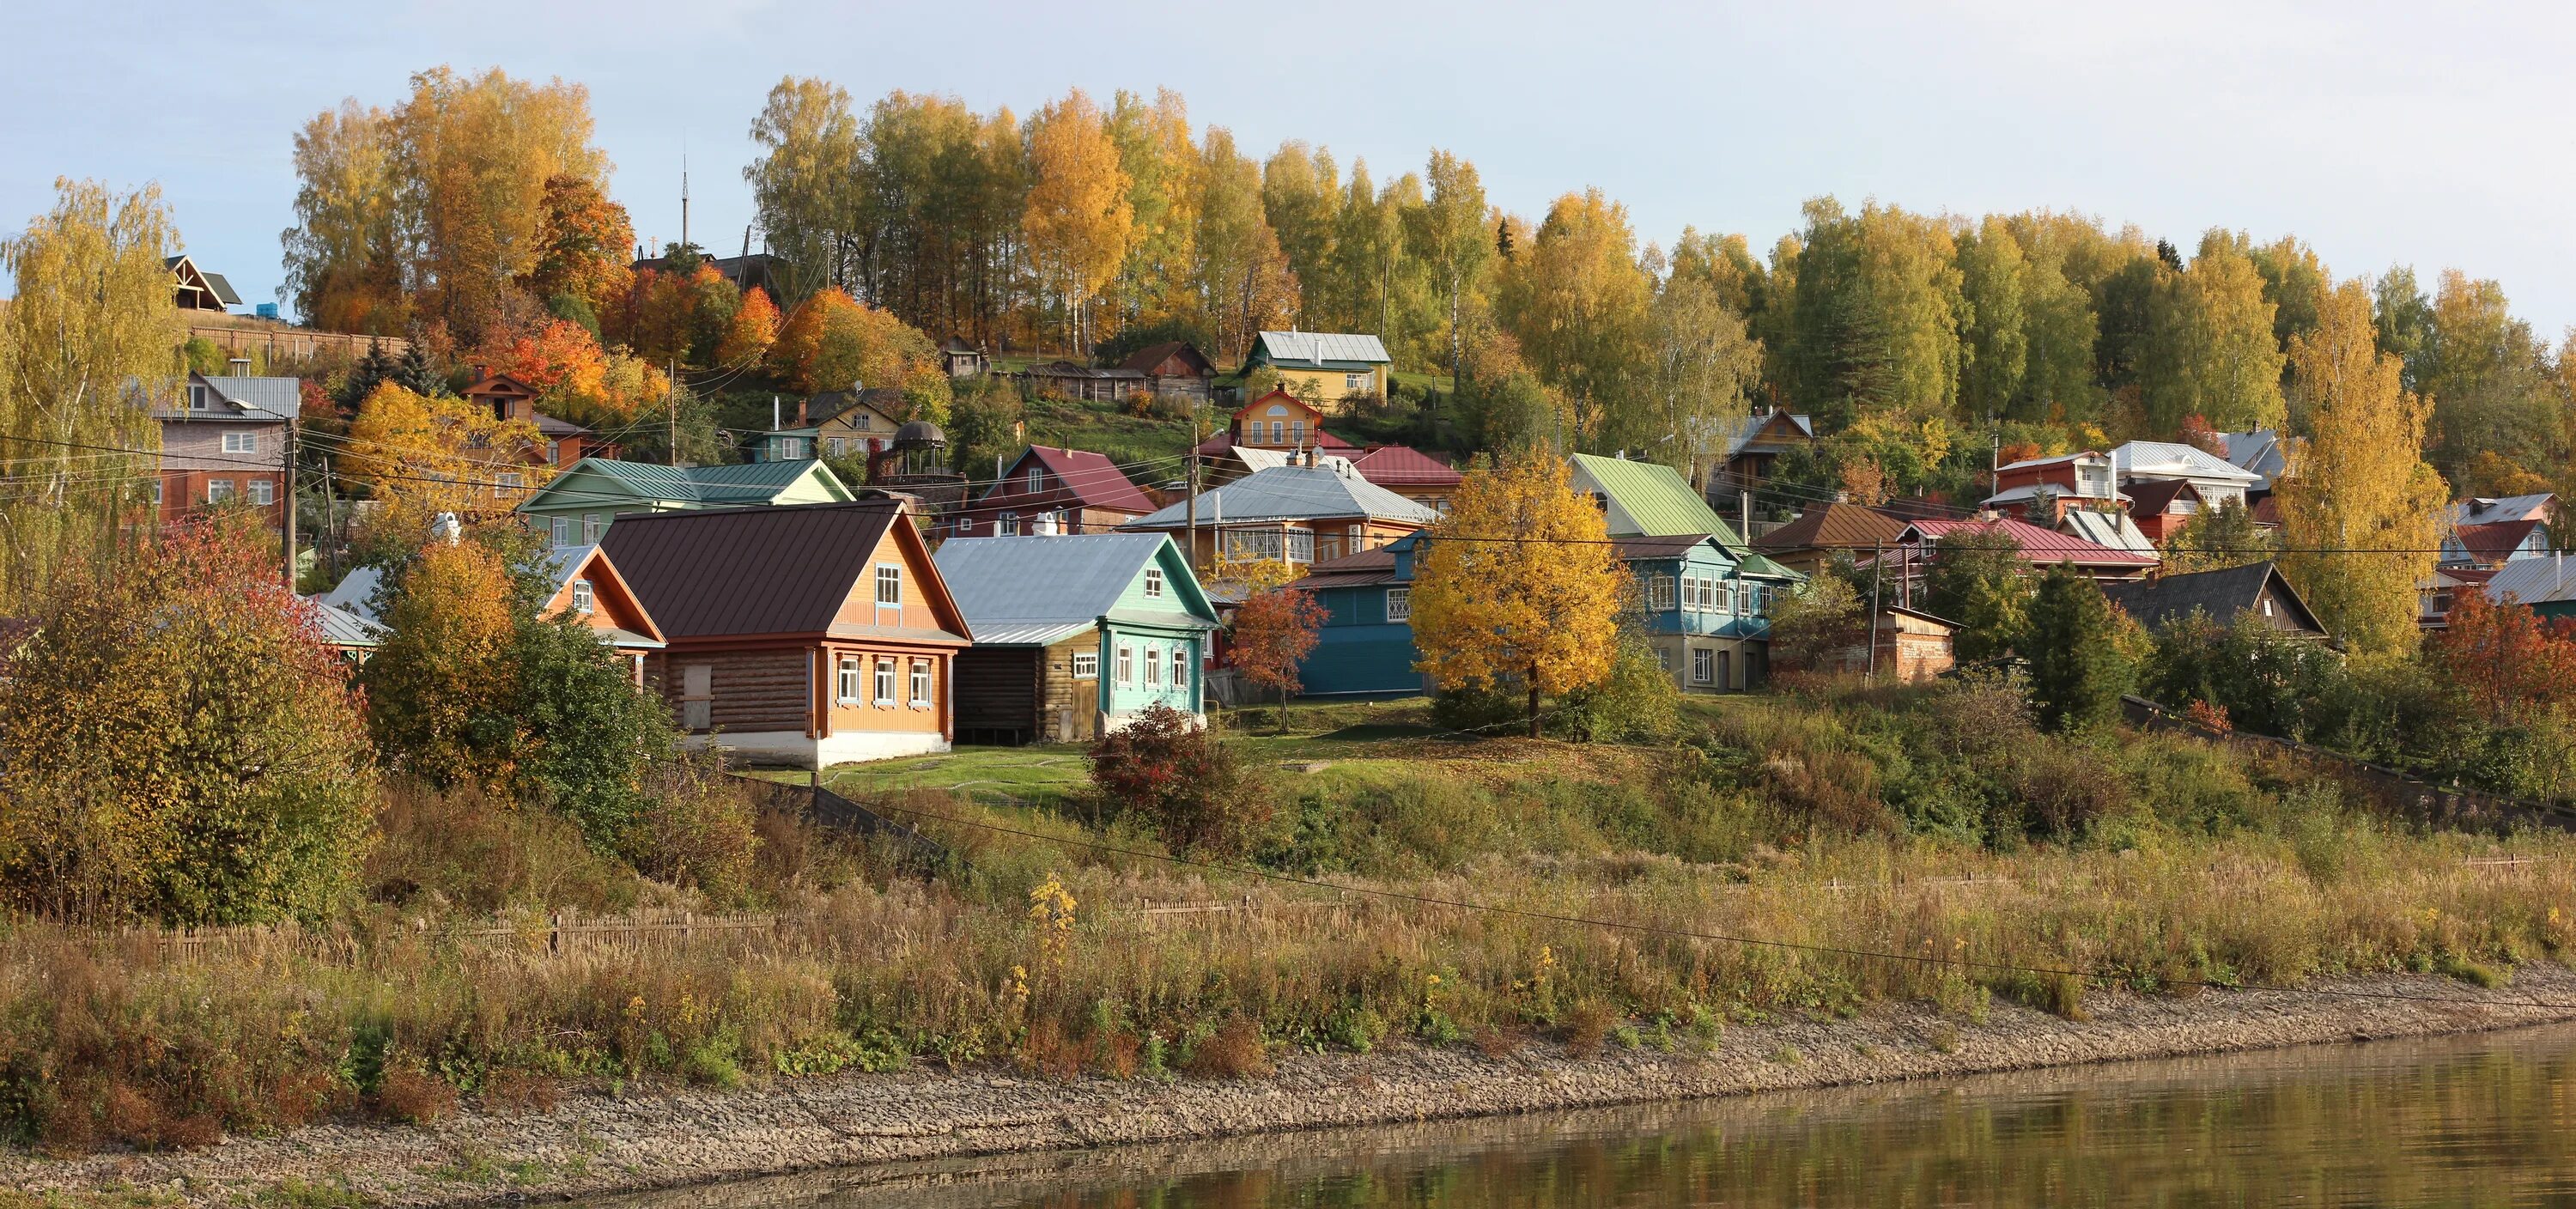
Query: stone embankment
(889, 1131)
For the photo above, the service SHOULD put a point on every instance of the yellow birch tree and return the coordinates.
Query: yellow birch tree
(1079, 214)
(423, 456)
(2360, 518)
(1519, 586)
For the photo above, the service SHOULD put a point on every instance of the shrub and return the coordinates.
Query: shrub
(1169, 770)
(586, 733)
(1234, 1051)
(1637, 703)
(699, 830)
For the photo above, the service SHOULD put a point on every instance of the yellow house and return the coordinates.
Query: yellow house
(1324, 365)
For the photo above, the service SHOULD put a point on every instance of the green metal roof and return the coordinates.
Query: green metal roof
(1657, 500)
(744, 483)
(1755, 564)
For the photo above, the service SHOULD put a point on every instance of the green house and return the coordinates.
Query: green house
(1074, 634)
(575, 507)
(1648, 499)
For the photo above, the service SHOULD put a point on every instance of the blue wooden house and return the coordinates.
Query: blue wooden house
(1074, 634)
(1365, 646)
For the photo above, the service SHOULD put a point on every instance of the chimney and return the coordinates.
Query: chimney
(240, 366)
(773, 414)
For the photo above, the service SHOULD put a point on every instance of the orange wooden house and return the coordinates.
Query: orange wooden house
(808, 635)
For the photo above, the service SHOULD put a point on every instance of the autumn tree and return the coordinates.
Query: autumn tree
(1817, 621)
(1300, 190)
(2504, 656)
(1876, 315)
(1273, 631)
(754, 328)
(1079, 217)
(584, 241)
(2210, 349)
(2360, 517)
(2486, 378)
(1448, 232)
(1975, 578)
(439, 687)
(1244, 280)
(347, 256)
(425, 455)
(85, 347)
(2218, 538)
(1581, 307)
(1161, 163)
(802, 186)
(1518, 587)
(1702, 370)
(177, 743)
(833, 343)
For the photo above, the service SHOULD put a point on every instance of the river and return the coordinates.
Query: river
(2486, 1120)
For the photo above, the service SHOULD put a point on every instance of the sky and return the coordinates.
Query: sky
(2425, 135)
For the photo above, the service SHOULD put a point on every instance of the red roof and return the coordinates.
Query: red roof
(1398, 466)
(2042, 546)
(1088, 478)
(2493, 542)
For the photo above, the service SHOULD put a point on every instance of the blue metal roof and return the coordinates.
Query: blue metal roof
(1036, 590)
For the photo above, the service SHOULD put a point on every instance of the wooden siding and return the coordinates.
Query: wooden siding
(861, 607)
(865, 715)
(998, 691)
(758, 690)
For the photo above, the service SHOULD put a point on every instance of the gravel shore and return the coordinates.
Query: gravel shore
(892, 1128)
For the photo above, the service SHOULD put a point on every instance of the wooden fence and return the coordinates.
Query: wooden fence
(281, 340)
(2396, 792)
(558, 934)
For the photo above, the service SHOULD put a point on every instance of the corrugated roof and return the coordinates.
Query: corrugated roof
(2040, 546)
(355, 593)
(1397, 465)
(1034, 633)
(742, 483)
(1835, 526)
(342, 628)
(1320, 350)
(1756, 565)
(1657, 501)
(2531, 580)
(2112, 529)
(777, 570)
(1263, 459)
(2169, 458)
(261, 399)
(2220, 594)
(2487, 510)
(1364, 569)
(1005, 584)
(1292, 493)
(1091, 477)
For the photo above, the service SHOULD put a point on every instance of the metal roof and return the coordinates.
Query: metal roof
(2259, 451)
(2170, 459)
(2533, 581)
(342, 628)
(1089, 479)
(2112, 529)
(1257, 459)
(1755, 564)
(1391, 465)
(1319, 350)
(2219, 594)
(264, 400)
(1834, 526)
(1654, 498)
(1754, 424)
(355, 593)
(743, 483)
(2038, 546)
(2489, 509)
(1028, 587)
(774, 570)
(1291, 493)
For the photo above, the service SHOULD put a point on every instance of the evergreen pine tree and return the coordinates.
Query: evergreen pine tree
(2077, 671)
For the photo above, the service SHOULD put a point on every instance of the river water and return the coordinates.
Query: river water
(2469, 1121)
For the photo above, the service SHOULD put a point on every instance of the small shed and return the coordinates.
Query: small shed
(963, 358)
(1174, 368)
(1905, 644)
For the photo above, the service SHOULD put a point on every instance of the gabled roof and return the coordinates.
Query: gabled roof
(2113, 529)
(763, 571)
(2039, 546)
(355, 594)
(2221, 594)
(2153, 497)
(1762, 568)
(1316, 438)
(1092, 479)
(1255, 457)
(492, 383)
(1144, 360)
(562, 564)
(1650, 499)
(1834, 526)
(1292, 493)
(885, 401)
(1399, 466)
(1367, 568)
(744, 483)
(2493, 542)
(2489, 509)
(2031, 491)
(214, 283)
(2167, 459)
(2081, 455)
(1779, 422)
(960, 344)
(346, 630)
(1036, 590)
(1319, 350)
(2530, 580)
(2260, 451)
(256, 400)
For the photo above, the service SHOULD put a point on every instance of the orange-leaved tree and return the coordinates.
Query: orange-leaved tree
(583, 243)
(1519, 587)
(2504, 656)
(177, 743)
(753, 330)
(1273, 632)
(833, 342)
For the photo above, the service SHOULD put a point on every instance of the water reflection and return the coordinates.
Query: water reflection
(2473, 1121)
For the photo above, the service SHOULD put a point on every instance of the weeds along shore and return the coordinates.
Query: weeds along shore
(2012, 867)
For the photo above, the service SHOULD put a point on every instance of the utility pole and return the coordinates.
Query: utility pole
(293, 423)
(1876, 551)
(671, 405)
(1191, 509)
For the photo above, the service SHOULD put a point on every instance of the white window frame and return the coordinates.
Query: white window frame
(921, 686)
(885, 681)
(846, 681)
(1660, 593)
(1007, 526)
(1153, 666)
(1126, 665)
(198, 397)
(262, 492)
(559, 531)
(590, 528)
(1181, 667)
(218, 490)
(1153, 583)
(835, 446)
(510, 482)
(1399, 605)
(584, 598)
(889, 581)
(241, 442)
(1086, 665)
(1358, 382)
(1035, 481)
(157, 485)
(1703, 666)
(1663, 659)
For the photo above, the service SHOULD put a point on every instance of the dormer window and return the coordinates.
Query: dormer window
(199, 398)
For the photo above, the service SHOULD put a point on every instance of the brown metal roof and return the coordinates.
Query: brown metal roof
(770, 570)
(1834, 527)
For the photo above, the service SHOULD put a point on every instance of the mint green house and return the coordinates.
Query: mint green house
(575, 507)
(1074, 634)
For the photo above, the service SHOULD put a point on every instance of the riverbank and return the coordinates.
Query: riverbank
(878, 1130)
